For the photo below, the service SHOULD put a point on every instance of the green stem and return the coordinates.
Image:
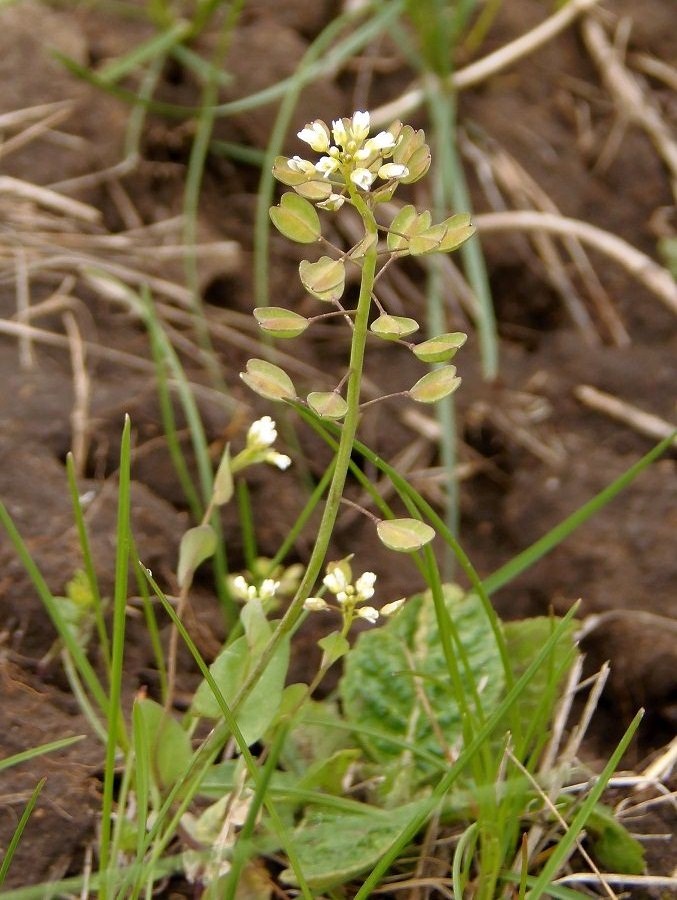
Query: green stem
(342, 464)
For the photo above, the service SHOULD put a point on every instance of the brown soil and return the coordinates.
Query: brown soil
(531, 451)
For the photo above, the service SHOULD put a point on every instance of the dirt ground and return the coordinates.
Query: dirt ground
(531, 451)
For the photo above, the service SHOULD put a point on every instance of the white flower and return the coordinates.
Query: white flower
(362, 178)
(326, 165)
(393, 170)
(242, 589)
(315, 604)
(338, 129)
(332, 203)
(261, 434)
(268, 588)
(281, 460)
(368, 613)
(381, 141)
(301, 165)
(360, 126)
(391, 608)
(317, 135)
(365, 585)
(336, 581)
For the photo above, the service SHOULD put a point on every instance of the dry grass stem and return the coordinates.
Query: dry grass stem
(49, 199)
(621, 881)
(506, 173)
(634, 104)
(489, 65)
(655, 68)
(642, 422)
(23, 309)
(650, 273)
(82, 389)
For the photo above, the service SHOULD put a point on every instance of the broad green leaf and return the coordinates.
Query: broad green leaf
(324, 279)
(392, 328)
(229, 670)
(268, 380)
(441, 348)
(315, 736)
(524, 638)
(614, 848)
(378, 690)
(435, 385)
(279, 322)
(169, 745)
(197, 545)
(334, 646)
(328, 774)
(296, 219)
(223, 480)
(328, 404)
(333, 847)
(404, 535)
(256, 626)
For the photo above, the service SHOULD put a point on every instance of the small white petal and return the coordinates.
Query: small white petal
(391, 608)
(240, 586)
(335, 581)
(365, 585)
(360, 125)
(315, 135)
(301, 165)
(368, 613)
(381, 141)
(315, 604)
(262, 433)
(268, 588)
(393, 170)
(338, 129)
(332, 203)
(326, 165)
(363, 178)
(281, 460)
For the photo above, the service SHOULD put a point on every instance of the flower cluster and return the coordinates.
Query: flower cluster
(243, 590)
(261, 436)
(350, 595)
(351, 159)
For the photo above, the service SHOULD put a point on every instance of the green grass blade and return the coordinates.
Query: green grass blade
(157, 45)
(556, 535)
(116, 730)
(88, 561)
(50, 603)
(25, 755)
(19, 830)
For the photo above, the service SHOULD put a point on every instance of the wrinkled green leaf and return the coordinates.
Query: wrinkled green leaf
(313, 741)
(296, 219)
(279, 322)
(392, 328)
(441, 348)
(333, 847)
(378, 691)
(328, 404)
(328, 774)
(169, 745)
(435, 385)
(324, 279)
(614, 848)
(197, 545)
(268, 380)
(404, 535)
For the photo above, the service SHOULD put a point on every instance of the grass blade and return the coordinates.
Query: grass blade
(19, 830)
